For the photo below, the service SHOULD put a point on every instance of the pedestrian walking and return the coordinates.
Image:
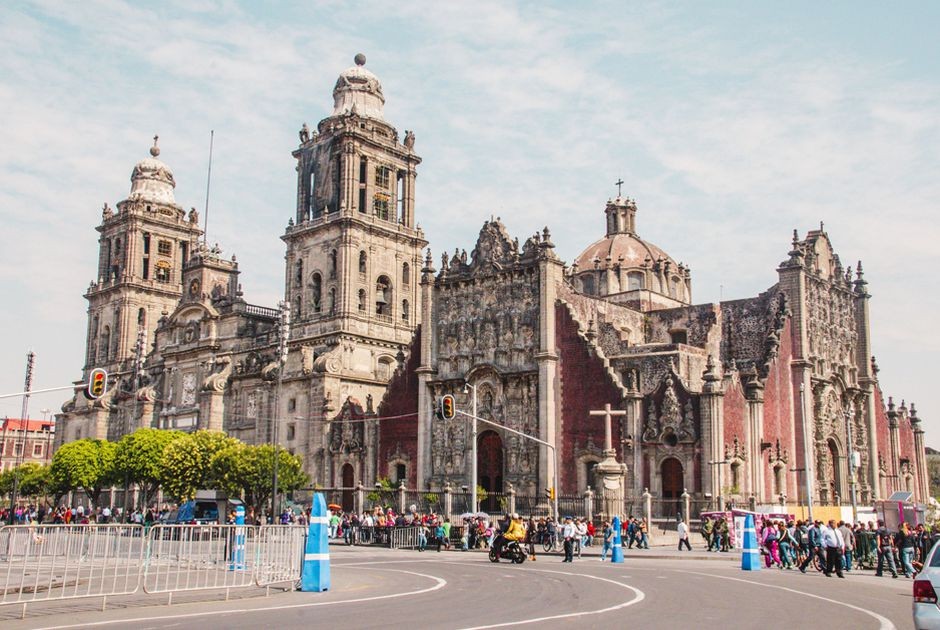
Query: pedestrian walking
(683, 530)
(608, 534)
(833, 542)
(885, 550)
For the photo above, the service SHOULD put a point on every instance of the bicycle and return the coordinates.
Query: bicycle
(549, 542)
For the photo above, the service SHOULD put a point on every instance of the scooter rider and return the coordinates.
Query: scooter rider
(514, 532)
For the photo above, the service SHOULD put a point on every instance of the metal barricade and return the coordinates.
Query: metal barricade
(404, 538)
(198, 557)
(281, 553)
(49, 562)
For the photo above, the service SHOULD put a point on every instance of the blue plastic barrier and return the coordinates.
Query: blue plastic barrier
(316, 568)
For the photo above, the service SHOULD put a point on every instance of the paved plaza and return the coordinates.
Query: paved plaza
(380, 588)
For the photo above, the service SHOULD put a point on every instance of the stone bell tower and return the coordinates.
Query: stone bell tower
(353, 254)
(143, 246)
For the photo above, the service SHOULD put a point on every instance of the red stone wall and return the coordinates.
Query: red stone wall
(584, 384)
(778, 408)
(881, 427)
(401, 399)
(735, 413)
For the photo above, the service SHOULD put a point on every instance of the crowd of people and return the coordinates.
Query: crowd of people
(835, 547)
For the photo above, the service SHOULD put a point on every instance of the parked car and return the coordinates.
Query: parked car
(926, 586)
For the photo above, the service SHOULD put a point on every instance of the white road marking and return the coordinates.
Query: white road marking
(440, 583)
(638, 597)
(886, 623)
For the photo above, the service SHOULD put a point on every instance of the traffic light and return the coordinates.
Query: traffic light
(448, 407)
(550, 493)
(97, 384)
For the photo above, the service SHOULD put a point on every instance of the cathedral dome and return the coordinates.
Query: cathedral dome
(627, 249)
(634, 263)
(152, 180)
(358, 91)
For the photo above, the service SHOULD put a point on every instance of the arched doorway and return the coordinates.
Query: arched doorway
(836, 481)
(671, 474)
(348, 483)
(490, 468)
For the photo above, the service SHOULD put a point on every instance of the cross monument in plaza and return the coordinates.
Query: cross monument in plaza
(610, 471)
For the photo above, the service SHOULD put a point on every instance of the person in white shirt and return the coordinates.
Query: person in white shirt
(569, 533)
(683, 530)
(833, 543)
(582, 534)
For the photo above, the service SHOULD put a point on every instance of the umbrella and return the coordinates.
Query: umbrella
(335, 507)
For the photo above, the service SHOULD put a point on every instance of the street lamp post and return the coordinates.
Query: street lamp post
(473, 449)
(283, 336)
(30, 361)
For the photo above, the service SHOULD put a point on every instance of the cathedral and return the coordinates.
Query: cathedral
(748, 400)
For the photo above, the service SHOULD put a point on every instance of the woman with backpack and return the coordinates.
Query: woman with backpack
(769, 540)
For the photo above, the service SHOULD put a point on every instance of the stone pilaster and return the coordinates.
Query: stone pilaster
(755, 421)
(712, 415)
(894, 448)
(551, 273)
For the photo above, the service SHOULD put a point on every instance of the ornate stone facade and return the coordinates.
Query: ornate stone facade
(720, 400)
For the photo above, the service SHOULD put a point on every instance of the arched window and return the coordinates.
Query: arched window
(383, 296)
(316, 290)
(780, 478)
(635, 280)
(332, 264)
(141, 318)
(362, 262)
(383, 371)
(331, 302)
(105, 344)
(735, 477)
(405, 311)
(406, 274)
(298, 311)
(299, 273)
(362, 300)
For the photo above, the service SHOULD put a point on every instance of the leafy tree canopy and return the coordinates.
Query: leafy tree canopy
(86, 464)
(184, 468)
(139, 456)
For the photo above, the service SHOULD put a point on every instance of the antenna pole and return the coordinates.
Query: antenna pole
(205, 224)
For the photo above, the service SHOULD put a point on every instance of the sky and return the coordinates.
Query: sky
(731, 124)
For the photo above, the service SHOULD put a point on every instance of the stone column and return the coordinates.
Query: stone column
(589, 504)
(755, 418)
(360, 498)
(920, 458)
(634, 408)
(895, 452)
(401, 497)
(448, 501)
(511, 499)
(425, 373)
(686, 506)
(712, 414)
(648, 511)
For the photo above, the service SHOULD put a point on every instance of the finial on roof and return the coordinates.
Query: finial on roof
(822, 226)
(155, 150)
(360, 59)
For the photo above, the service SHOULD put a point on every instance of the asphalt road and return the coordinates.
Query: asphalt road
(373, 588)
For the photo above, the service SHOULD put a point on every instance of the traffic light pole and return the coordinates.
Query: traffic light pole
(474, 507)
(24, 429)
(473, 417)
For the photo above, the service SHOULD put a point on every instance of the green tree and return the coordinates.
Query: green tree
(35, 480)
(243, 470)
(6, 483)
(139, 455)
(184, 468)
(87, 464)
